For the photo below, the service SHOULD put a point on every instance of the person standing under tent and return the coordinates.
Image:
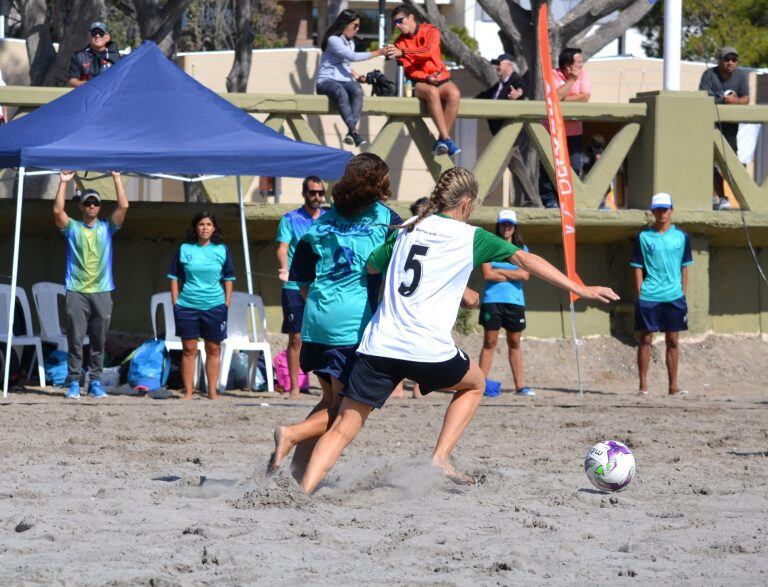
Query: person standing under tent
(428, 263)
(291, 228)
(329, 265)
(418, 51)
(335, 77)
(202, 276)
(661, 256)
(503, 306)
(88, 281)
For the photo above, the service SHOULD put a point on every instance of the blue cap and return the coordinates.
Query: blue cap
(661, 200)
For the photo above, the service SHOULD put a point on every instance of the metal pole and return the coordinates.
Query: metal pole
(247, 254)
(673, 24)
(576, 344)
(14, 277)
(400, 80)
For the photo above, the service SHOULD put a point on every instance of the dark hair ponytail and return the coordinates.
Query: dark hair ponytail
(451, 188)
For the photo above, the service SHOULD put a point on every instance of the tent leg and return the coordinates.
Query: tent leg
(14, 277)
(247, 255)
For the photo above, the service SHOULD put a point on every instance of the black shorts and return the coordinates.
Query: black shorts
(508, 316)
(373, 379)
(210, 324)
(662, 316)
(327, 361)
(293, 310)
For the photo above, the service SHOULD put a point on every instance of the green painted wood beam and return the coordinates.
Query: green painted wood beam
(749, 195)
(425, 141)
(301, 130)
(275, 122)
(495, 158)
(600, 176)
(385, 141)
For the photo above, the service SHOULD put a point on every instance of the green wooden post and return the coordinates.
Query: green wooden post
(698, 293)
(495, 158)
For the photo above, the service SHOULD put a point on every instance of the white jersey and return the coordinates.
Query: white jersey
(428, 271)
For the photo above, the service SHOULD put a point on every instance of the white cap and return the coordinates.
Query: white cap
(661, 200)
(507, 216)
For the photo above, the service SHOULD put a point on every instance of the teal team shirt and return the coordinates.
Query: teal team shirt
(89, 256)
(504, 292)
(662, 257)
(201, 271)
(331, 259)
(291, 228)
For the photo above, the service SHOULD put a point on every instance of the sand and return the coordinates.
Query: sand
(139, 491)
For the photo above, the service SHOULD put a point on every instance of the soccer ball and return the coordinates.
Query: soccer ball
(610, 465)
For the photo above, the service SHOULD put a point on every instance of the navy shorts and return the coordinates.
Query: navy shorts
(208, 324)
(507, 316)
(661, 316)
(373, 379)
(327, 361)
(293, 310)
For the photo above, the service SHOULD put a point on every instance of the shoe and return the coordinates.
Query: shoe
(74, 390)
(349, 139)
(724, 204)
(715, 202)
(358, 140)
(525, 391)
(453, 148)
(492, 388)
(440, 148)
(643, 393)
(96, 390)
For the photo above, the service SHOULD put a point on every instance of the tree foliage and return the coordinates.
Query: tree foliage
(711, 24)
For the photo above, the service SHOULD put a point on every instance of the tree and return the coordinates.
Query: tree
(237, 80)
(711, 24)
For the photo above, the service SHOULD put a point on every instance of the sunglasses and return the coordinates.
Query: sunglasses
(398, 20)
(355, 26)
(91, 204)
(316, 192)
(97, 33)
(730, 59)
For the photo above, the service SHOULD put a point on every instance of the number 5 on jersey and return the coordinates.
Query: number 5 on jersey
(413, 264)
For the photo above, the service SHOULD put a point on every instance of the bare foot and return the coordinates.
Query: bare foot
(282, 448)
(188, 395)
(643, 392)
(678, 392)
(213, 395)
(294, 393)
(449, 472)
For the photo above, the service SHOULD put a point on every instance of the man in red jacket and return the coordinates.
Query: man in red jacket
(418, 50)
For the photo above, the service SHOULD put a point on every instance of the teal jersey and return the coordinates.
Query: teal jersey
(662, 257)
(201, 271)
(331, 259)
(89, 256)
(291, 228)
(504, 292)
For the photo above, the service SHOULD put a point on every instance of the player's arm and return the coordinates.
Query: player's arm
(639, 280)
(684, 278)
(282, 260)
(470, 299)
(303, 266)
(515, 274)
(491, 274)
(174, 290)
(543, 269)
(228, 291)
(59, 214)
(176, 274)
(378, 260)
(118, 216)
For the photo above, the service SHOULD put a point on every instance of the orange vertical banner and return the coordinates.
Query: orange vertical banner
(563, 171)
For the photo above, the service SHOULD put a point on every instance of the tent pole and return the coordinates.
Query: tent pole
(14, 277)
(247, 255)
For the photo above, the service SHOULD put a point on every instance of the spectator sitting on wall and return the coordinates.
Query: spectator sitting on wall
(88, 279)
(289, 232)
(573, 85)
(100, 54)
(727, 84)
(418, 51)
(335, 77)
(511, 87)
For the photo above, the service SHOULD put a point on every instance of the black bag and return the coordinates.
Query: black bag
(381, 86)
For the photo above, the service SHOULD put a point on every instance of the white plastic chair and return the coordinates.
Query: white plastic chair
(239, 337)
(172, 342)
(21, 340)
(45, 295)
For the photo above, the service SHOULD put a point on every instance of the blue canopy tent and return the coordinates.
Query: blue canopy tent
(145, 115)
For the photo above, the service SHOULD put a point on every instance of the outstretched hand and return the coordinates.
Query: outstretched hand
(598, 292)
(66, 176)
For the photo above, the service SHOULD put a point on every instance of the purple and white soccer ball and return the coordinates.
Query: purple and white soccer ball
(610, 465)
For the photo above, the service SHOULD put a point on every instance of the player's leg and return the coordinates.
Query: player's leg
(352, 416)
(292, 356)
(188, 366)
(673, 354)
(490, 339)
(644, 341)
(431, 97)
(516, 358)
(469, 392)
(450, 96)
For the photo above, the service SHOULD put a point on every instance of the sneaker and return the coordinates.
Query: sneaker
(96, 390)
(74, 390)
(358, 140)
(724, 204)
(349, 139)
(440, 148)
(453, 148)
(492, 388)
(525, 391)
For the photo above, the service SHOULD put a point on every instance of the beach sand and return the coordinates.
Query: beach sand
(127, 491)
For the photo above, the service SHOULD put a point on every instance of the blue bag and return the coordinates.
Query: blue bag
(56, 368)
(150, 365)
